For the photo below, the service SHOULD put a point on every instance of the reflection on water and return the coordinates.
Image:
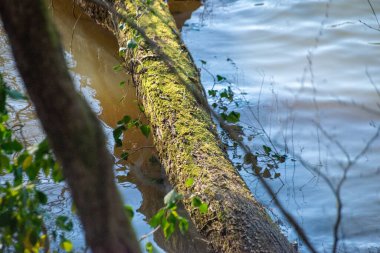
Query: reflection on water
(91, 54)
(182, 10)
(311, 73)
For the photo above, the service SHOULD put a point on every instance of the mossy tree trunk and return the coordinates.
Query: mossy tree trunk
(72, 128)
(184, 134)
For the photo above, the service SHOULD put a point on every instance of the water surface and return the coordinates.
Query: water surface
(311, 73)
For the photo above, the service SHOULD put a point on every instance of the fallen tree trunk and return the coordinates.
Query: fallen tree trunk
(169, 87)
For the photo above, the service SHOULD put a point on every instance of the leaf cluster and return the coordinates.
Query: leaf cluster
(22, 226)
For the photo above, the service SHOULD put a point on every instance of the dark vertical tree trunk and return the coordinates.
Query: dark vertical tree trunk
(72, 128)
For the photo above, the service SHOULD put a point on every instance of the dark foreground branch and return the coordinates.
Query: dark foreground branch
(72, 129)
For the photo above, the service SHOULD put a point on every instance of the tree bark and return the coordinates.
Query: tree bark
(72, 128)
(184, 135)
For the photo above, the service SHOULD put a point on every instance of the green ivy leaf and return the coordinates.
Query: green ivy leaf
(33, 237)
(156, 219)
(57, 173)
(11, 146)
(250, 158)
(172, 197)
(32, 172)
(145, 130)
(27, 162)
(189, 182)
(141, 108)
(122, 26)
(228, 94)
(129, 211)
(3, 95)
(149, 247)
(172, 217)
(203, 208)
(64, 223)
(117, 132)
(134, 123)
(4, 162)
(233, 117)
(224, 108)
(257, 170)
(267, 149)
(42, 149)
(220, 78)
(168, 229)
(125, 120)
(122, 51)
(6, 218)
(66, 245)
(266, 173)
(196, 202)
(124, 156)
(117, 67)
(212, 93)
(131, 44)
(183, 225)
(17, 173)
(281, 158)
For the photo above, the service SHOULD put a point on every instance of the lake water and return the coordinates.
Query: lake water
(311, 73)
(309, 70)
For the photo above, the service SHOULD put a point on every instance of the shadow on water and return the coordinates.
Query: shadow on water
(182, 10)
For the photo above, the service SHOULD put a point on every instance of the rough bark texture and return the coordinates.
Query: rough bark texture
(73, 130)
(184, 135)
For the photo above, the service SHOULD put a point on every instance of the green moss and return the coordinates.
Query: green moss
(221, 216)
(169, 88)
(185, 134)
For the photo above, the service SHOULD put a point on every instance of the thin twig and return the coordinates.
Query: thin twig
(288, 216)
(139, 148)
(340, 184)
(73, 31)
(374, 13)
(150, 233)
(367, 25)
